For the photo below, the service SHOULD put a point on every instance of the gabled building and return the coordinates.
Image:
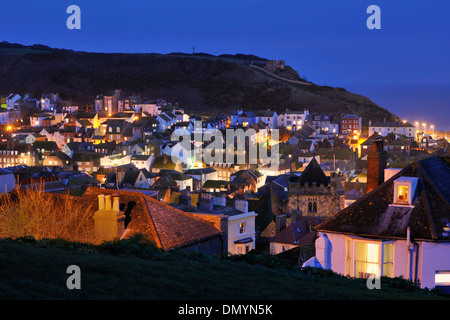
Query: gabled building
(15, 154)
(133, 212)
(399, 229)
(386, 127)
(233, 218)
(293, 120)
(351, 125)
(243, 118)
(314, 193)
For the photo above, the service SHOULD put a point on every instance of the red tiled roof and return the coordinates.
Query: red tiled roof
(169, 227)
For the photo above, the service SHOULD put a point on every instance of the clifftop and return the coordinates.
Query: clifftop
(198, 82)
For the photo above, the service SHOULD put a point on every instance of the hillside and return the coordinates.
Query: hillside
(198, 82)
(135, 269)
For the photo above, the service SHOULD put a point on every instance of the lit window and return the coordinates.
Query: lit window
(442, 279)
(242, 227)
(365, 259)
(402, 194)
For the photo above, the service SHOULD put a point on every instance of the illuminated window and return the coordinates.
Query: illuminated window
(365, 259)
(442, 278)
(242, 227)
(404, 190)
(402, 193)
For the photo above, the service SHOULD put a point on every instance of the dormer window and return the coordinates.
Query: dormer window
(402, 194)
(404, 190)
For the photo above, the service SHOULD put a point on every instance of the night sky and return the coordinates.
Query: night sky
(404, 67)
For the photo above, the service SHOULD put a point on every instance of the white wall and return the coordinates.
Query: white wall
(233, 229)
(436, 256)
(432, 257)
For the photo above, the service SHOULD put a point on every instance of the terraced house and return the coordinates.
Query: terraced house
(14, 154)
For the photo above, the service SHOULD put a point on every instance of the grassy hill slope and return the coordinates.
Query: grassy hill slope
(198, 82)
(134, 269)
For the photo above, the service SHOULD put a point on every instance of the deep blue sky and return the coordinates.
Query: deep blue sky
(404, 67)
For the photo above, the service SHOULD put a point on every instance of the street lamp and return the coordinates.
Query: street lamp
(425, 127)
(432, 128)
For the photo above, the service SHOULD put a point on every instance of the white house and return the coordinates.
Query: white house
(384, 128)
(36, 119)
(166, 120)
(11, 99)
(142, 161)
(237, 223)
(114, 160)
(151, 108)
(241, 229)
(202, 174)
(293, 120)
(399, 229)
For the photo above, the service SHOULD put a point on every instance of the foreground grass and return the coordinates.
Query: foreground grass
(135, 269)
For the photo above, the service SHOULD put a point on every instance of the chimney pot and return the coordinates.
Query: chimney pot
(101, 202)
(108, 202)
(116, 202)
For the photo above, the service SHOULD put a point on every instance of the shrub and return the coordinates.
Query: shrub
(33, 212)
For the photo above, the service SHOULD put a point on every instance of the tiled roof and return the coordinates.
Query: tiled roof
(373, 215)
(169, 227)
(297, 233)
(312, 173)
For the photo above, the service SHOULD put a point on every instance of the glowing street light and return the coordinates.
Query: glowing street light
(424, 127)
(432, 128)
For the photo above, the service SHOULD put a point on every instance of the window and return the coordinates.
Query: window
(242, 227)
(402, 194)
(366, 260)
(312, 205)
(442, 278)
(369, 258)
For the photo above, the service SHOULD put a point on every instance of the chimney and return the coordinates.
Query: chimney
(293, 166)
(205, 202)
(185, 197)
(376, 163)
(220, 200)
(109, 220)
(295, 214)
(241, 205)
(280, 223)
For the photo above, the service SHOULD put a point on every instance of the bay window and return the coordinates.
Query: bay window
(367, 258)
